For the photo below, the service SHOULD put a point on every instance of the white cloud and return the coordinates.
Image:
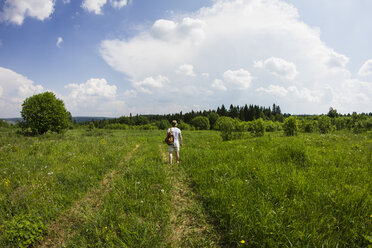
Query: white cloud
(94, 96)
(279, 67)
(239, 79)
(219, 85)
(93, 5)
(150, 83)
(337, 60)
(66, 1)
(118, 3)
(97, 5)
(15, 88)
(292, 93)
(235, 34)
(15, 11)
(187, 70)
(275, 90)
(59, 41)
(366, 69)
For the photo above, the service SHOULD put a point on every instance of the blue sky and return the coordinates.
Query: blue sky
(115, 57)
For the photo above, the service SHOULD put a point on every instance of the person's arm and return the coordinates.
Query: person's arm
(181, 141)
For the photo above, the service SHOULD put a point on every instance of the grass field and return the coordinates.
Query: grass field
(110, 188)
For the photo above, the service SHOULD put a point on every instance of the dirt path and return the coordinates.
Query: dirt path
(62, 230)
(189, 224)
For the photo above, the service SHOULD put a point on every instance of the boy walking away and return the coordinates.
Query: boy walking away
(177, 142)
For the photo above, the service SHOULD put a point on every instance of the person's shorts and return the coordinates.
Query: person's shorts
(174, 147)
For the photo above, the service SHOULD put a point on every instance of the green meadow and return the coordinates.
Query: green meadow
(114, 188)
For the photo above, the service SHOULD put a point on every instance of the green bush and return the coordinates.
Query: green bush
(213, 117)
(44, 112)
(258, 127)
(270, 126)
(184, 126)
(290, 126)
(226, 125)
(324, 124)
(117, 126)
(4, 124)
(200, 123)
(309, 126)
(163, 124)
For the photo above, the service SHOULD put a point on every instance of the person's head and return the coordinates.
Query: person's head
(174, 123)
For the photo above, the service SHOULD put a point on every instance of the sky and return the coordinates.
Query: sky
(115, 57)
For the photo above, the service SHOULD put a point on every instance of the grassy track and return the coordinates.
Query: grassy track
(100, 189)
(189, 223)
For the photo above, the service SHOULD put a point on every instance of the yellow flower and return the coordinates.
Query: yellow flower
(254, 168)
(6, 182)
(271, 233)
(105, 227)
(370, 216)
(233, 205)
(243, 241)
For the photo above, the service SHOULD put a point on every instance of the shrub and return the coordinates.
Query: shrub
(290, 126)
(117, 126)
(4, 124)
(184, 126)
(270, 126)
(213, 117)
(309, 126)
(163, 124)
(226, 125)
(200, 123)
(324, 124)
(44, 112)
(258, 127)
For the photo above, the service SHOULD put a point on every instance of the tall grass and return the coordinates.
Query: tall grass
(311, 190)
(274, 191)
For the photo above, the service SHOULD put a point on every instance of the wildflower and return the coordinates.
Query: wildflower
(106, 227)
(370, 216)
(162, 190)
(6, 182)
(50, 173)
(254, 168)
(242, 241)
(271, 233)
(233, 205)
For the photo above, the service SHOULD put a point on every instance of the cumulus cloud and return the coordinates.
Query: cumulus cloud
(15, 11)
(149, 84)
(219, 85)
(14, 89)
(279, 67)
(93, 5)
(238, 79)
(292, 93)
(96, 6)
(366, 69)
(265, 37)
(118, 3)
(275, 90)
(187, 70)
(59, 41)
(94, 96)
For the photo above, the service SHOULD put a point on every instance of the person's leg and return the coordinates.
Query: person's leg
(177, 156)
(170, 157)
